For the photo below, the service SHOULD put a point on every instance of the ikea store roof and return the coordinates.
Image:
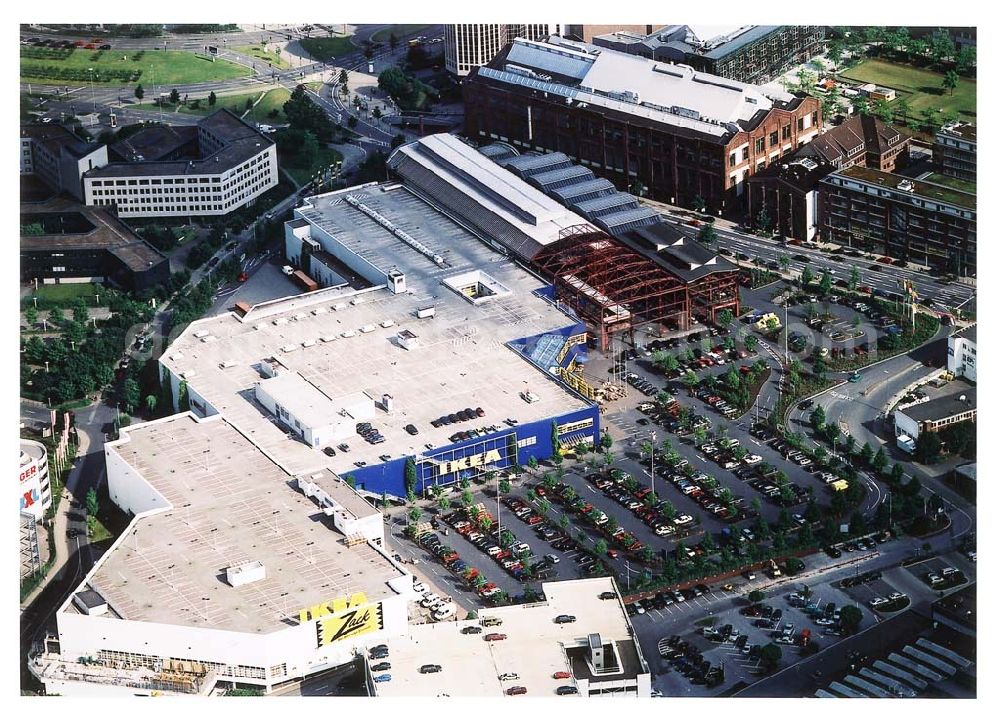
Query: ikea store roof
(345, 342)
(227, 504)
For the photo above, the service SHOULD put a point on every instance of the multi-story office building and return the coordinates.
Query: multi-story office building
(58, 158)
(473, 44)
(74, 243)
(749, 53)
(674, 132)
(955, 151)
(225, 166)
(913, 220)
(787, 191)
(962, 353)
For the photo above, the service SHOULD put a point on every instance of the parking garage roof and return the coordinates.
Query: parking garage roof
(535, 648)
(225, 503)
(460, 360)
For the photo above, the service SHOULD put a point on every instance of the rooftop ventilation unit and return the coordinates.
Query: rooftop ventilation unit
(246, 573)
(391, 227)
(905, 186)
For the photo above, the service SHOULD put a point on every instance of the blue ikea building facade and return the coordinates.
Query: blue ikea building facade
(504, 448)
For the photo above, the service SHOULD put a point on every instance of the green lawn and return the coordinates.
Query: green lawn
(67, 292)
(921, 87)
(274, 99)
(951, 182)
(172, 67)
(303, 174)
(327, 48)
(257, 51)
(398, 30)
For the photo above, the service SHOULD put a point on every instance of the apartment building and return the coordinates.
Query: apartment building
(667, 131)
(962, 353)
(913, 220)
(58, 158)
(955, 151)
(224, 167)
(787, 191)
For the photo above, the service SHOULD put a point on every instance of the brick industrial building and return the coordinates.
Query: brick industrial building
(887, 214)
(749, 53)
(677, 133)
(787, 191)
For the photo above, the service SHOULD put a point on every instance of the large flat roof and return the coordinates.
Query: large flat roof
(105, 233)
(943, 407)
(461, 360)
(535, 647)
(229, 504)
(923, 189)
(672, 94)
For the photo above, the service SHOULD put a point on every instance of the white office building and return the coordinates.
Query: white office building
(962, 353)
(157, 177)
(471, 45)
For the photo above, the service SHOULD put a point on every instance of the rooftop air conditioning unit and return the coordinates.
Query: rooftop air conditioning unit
(905, 186)
(246, 573)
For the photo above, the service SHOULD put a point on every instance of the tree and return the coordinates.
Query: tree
(725, 318)
(415, 514)
(929, 448)
(131, 395)
(929, 116)
(965, 61)
(151, 402)
(689, 379)
(770, 656)
(698, 203)
(410, 475)
(850, 618)
(31, 315)
(950, 81)
(504, 486)
(763, 221)
(866, 453)
(807, 276)
(880, 459)
(818, 417)
(826, 282)
(377, 113)
(92, 503)
(750, 343)
(601, 547)
(175, 97)
(564, 521)
(903, 108)
(343, 77)
(467, 498)
(755, 596)
(139, 93)
(707, 235)
(533, 462)
(56, 316)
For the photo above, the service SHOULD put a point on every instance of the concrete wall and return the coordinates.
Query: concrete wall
(128, 489)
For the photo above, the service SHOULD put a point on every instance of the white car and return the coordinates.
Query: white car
(552, 558)
(730, 465)
(683, 519)
(509, 676)
(287, 269)
(419, 588)
(444, 611)
(752, 459)
(430, 600)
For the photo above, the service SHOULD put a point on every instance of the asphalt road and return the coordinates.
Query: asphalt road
(885, 277)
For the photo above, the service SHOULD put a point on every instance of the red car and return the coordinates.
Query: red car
(561, 675)
(517, 690)
(540, 491)
(535, 519)
(612, 553)
(494, 636)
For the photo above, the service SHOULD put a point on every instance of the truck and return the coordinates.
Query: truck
(774, 571)
(906, 443)
(304, 281)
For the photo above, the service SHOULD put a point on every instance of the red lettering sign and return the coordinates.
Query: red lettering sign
(28, 500)
(30, 472)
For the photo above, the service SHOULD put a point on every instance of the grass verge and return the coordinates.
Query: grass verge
(303, 174)
(260, 53)
(327, 48)
(154, 67)
(921, 87)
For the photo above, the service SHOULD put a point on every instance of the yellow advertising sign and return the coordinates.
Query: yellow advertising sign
(352, 623)
(574, 426)
(331, 607)
(470, 461)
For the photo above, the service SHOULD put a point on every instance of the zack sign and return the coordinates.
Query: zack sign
(351, 623)
(470, 461)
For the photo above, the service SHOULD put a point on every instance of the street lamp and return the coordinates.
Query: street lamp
(92, 98)
(652, 454)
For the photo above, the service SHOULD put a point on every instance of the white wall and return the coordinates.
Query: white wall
(906, 426)
(127, 488)
(83, 635)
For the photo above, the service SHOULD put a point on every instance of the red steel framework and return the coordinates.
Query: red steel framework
(600, 277)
